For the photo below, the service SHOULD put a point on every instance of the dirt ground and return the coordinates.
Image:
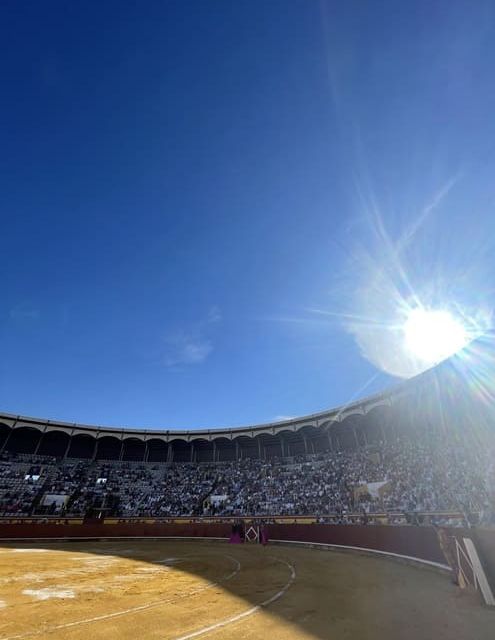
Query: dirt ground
(174, 590)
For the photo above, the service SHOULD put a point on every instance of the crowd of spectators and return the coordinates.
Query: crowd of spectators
(18, 488)
(429, 476)
(416, 476)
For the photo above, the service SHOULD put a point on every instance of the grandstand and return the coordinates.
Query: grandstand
(425, 446)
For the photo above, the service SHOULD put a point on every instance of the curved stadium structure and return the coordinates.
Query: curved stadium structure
(424, 447)
(454, 395)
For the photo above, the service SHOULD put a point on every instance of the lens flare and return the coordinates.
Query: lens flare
(433, 334)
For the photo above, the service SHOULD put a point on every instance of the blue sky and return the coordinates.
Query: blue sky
(198, 199)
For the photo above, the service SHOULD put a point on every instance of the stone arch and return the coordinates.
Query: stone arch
(309, 435)
(247, 447)
(292, 443)
(181, 450)
(352, 431)
(203, 450)
(374, 424)
(54, 443)
(157, 450)
(226, 449)
(345, 433)
(23, 440)
(133, 449)
(320, 442)
(82, 445)
(269, 446)
(108, 448)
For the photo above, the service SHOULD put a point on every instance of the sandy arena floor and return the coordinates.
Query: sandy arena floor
(179, 590)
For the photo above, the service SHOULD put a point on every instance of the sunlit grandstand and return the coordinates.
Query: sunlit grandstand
(424, 447)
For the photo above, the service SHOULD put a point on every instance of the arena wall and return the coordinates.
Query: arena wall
(484, 539)
(414, 542)
(417, 542)
(103, 530)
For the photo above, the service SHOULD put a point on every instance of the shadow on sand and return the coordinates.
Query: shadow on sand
(230, 591)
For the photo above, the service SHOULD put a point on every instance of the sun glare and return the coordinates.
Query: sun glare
(433, 335)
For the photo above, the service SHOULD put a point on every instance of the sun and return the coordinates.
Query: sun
(431, 335)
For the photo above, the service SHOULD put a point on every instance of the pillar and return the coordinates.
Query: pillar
(384, 438)
(38, 445)
(355, 436)
(330, 443)
(365, 436)
(7, 438)
(67, 448)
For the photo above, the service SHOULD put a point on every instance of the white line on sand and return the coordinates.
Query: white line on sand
(47, 594)
(248, 612)
(124, 612)
(27, 551)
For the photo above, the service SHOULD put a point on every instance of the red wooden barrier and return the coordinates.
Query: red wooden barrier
(418, 542)
(101, 530)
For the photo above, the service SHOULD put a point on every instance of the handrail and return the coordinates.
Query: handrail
(280, 518)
